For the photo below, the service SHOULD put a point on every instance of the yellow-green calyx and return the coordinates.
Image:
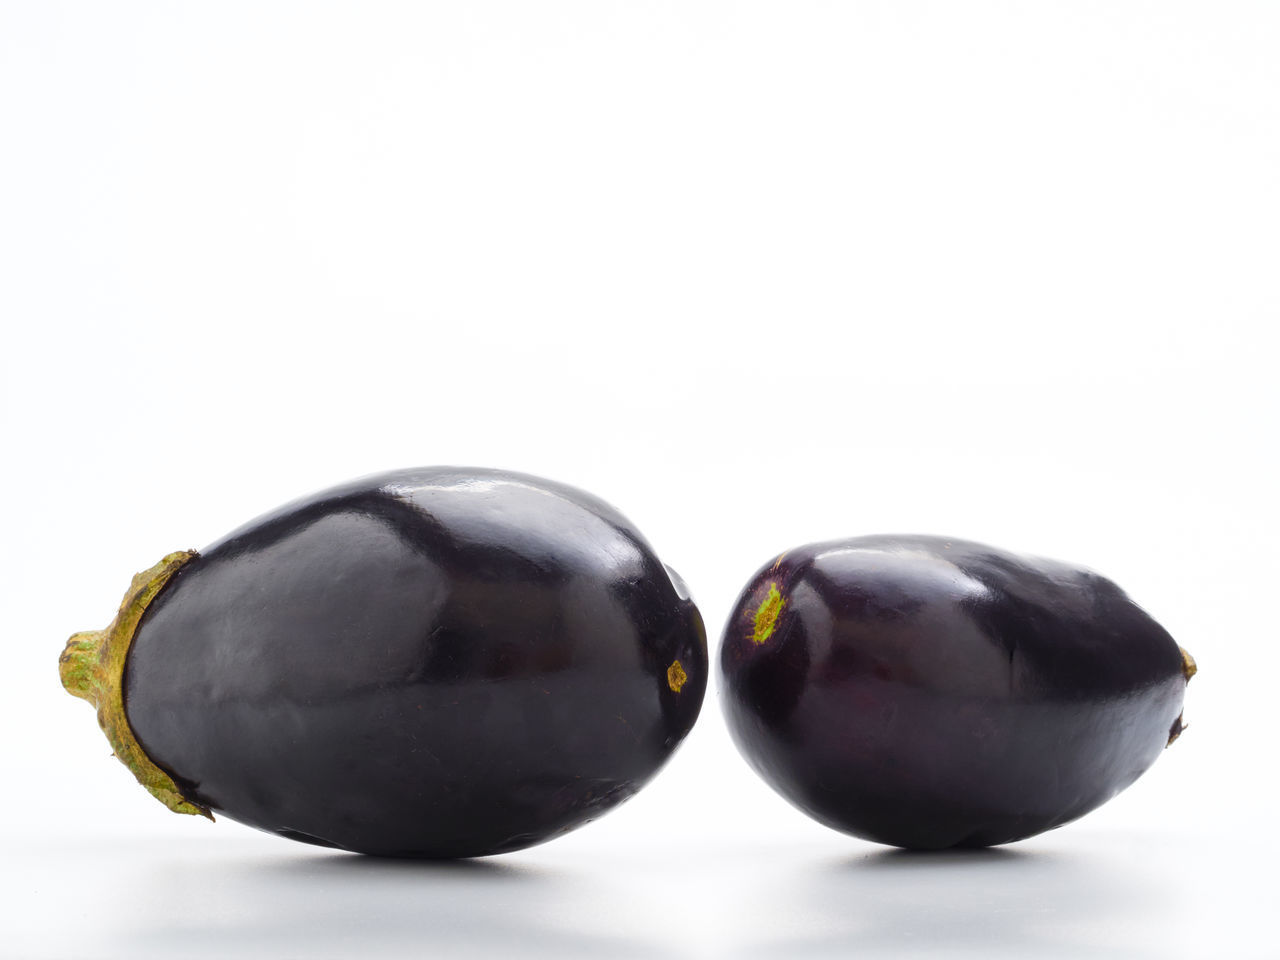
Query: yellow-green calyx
(767, 615)
(1188, 664)
(1188, 671)
(92, 668)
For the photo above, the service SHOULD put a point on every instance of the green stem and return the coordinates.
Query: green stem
(92, 668)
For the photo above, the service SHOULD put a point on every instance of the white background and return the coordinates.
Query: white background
(759, 274)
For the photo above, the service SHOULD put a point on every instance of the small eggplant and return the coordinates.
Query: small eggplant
(437, 662)
(931, 693)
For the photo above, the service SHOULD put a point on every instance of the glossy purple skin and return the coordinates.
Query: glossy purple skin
(931, 693)
(438, 662)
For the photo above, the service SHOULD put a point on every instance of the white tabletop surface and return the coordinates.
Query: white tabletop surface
(1083, 893)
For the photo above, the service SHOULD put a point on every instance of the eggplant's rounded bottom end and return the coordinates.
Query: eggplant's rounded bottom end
(976, 841)
(445, 855)
(939, 829)
(307, 838)
(436, 849)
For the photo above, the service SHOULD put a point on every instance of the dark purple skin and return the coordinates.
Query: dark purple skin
(438, 662)
(931, 693)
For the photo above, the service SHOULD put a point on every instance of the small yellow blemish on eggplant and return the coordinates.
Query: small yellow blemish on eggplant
(676, 676)
(767, 615)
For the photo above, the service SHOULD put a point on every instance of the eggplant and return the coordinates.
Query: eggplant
(435, 662)
(930, 693)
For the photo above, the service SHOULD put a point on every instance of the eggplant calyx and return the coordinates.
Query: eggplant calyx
(92, 668)
(1188, 664)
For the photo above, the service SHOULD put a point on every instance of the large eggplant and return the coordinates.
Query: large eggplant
(436, 662)
(932, 693)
